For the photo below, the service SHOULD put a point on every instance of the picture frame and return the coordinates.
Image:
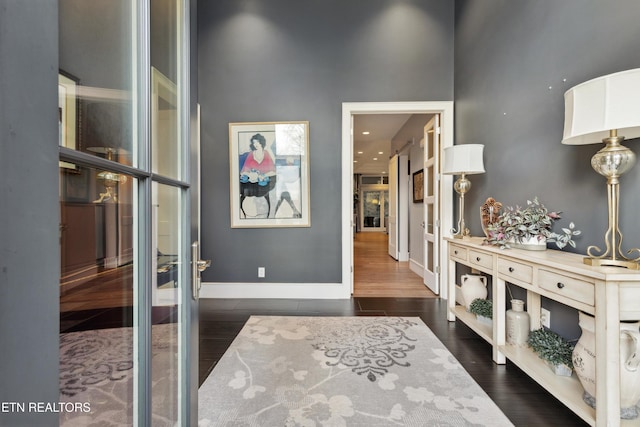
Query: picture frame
(269, 174)
(68, 114)
(418, 186)
(76, 185)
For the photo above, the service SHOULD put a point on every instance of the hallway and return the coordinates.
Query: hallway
(376, 274)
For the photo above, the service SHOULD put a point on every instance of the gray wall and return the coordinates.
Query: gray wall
(288, 60)
(29, 247)
(511, 62)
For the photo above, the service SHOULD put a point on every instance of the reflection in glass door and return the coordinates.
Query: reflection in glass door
(96, 294)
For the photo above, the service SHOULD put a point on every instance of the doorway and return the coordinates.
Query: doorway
(349, 110)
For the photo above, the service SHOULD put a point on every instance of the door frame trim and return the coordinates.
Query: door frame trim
(349, 110)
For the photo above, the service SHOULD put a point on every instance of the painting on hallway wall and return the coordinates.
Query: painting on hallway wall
(269, 174)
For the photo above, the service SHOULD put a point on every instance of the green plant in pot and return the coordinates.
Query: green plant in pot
(482, 308)
(529, 227)
(553, 349)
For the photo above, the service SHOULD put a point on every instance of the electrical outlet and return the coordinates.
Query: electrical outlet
(261, 272)
(545, 317)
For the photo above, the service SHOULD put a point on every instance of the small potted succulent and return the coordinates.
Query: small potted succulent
(529, 228)
(483, 309)
(553, 349)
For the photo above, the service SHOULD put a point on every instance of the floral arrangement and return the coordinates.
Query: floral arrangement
(518, 224)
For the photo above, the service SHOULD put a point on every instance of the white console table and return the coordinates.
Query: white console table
(611, 294)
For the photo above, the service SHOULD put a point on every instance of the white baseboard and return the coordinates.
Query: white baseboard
(216, 290)
(416, 267)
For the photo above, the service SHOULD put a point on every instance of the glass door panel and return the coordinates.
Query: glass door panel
(169, 236)
(167, 285)
(385, 197)
(97, 267)
(167, 146)
(431, 203)
(372, 201)
(96, 102)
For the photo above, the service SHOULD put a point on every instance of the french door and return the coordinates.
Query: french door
(432, 203)
(128, 230)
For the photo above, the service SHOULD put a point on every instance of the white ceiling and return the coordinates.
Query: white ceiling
(366, 148)
(383, 129)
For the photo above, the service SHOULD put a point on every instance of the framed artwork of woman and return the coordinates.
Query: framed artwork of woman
(269, 174)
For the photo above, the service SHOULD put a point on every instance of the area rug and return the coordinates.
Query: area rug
(96, 374)
(341, 371)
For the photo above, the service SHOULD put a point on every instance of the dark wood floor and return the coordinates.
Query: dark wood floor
(519, 397)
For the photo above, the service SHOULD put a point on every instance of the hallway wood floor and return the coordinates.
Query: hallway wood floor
(376, 274)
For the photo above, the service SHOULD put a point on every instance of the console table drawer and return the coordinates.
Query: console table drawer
(575, 289)
(458, 252)
(515, 270)
(482, 259)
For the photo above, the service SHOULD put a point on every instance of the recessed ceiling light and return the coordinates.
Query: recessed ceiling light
(380, 152)
(366, 132)
(375, 158)
(359, 152)
(355, 161)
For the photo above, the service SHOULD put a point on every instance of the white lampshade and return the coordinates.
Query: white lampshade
(466, 158)
(595, 107)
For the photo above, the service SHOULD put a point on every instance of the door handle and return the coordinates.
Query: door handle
(197, 267)
(203, 265)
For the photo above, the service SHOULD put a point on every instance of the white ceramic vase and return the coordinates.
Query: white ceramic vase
(473, 287)
(584, 363)
(518, 324)
(533, 243)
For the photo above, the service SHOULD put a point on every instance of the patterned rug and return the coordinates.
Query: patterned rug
(342, 371)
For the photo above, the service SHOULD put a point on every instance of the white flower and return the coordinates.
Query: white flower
(299, 375)
(387, 382)
(445, 359)
(250, 392)
(397, 413)
(258, 333)
(445, 403)
(239, 381)
(419, 395)
(298, 333)
(293, 397)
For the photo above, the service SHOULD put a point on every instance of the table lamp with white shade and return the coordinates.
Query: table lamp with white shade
(463, 160)
(596, 111)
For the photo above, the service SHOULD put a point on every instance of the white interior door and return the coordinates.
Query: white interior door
(393, 207)
(432, 203)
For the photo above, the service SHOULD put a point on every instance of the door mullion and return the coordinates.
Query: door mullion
(141, 91)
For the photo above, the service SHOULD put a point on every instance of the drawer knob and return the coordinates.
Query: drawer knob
(560, 285)
(455, 252)
(511, 269)
(478, 258)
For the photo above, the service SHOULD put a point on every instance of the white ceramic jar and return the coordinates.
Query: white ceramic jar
(518, 324)
(473, 287)
(584, 363)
